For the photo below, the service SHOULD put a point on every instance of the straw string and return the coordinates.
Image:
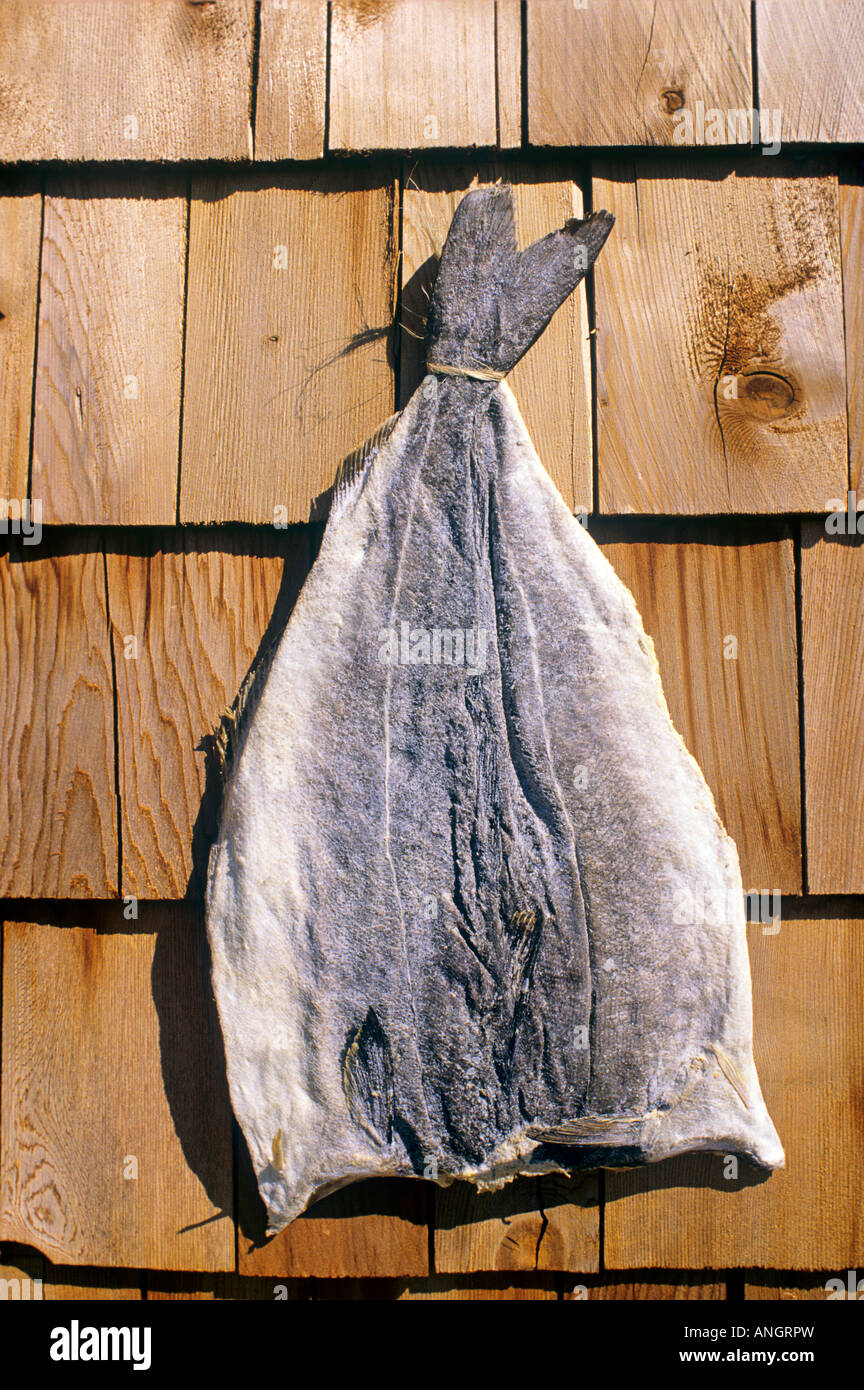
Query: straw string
(477, 373)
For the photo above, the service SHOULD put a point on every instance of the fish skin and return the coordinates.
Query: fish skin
(437, 950)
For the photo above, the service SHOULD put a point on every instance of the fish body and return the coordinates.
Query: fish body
(444, 903)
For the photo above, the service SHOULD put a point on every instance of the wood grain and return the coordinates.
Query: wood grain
(808, 987)
(20, 230)
(552, 382)
(290, 115)
(375, 1228)
(108, 379)
(136, 997)
(57, 808)
(852, 239)
(832, 628)
(125, 79)
(737, 714)
(787, 1288)
(187, 617)
(70, 1285)
(201, 1288)
(22, 1274)
(482, 1287)
(570, 1238)
(532, 1224)
(811, 67)
(412, 74)
(623, 1289)
(438, 1288)
(720, 364)
(290, 309)
(637, 72)
(508, 72)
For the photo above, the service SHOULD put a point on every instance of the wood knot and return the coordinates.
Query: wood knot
(671, 99)
(768, 395)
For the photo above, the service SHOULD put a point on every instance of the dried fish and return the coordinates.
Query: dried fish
(445, 901)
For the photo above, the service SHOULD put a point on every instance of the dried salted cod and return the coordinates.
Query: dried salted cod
(471, 909)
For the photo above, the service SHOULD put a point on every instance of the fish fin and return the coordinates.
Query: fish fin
(278, 1153)
(562, 258)
(523, 930)
(491, 301)
(234, 718)
(732, 1074)
(598, 1130)
(481, 238)
(353, 469)
(548, 270)
(367, 1078)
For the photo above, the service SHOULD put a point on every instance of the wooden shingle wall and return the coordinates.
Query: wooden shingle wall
(219, 224)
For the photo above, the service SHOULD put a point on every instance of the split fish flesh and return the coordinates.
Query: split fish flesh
(457, 902)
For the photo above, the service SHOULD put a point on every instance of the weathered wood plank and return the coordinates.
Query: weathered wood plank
(290, 114)
(811, 67)
(57, 807)
(126, 79)
(508, 72)
(719, 605)
(808, 982)
(552, 383)
(412, 75)
(609, 1288)
(378, 1228)
(290, 308)
(187, 615)
(789, 1288)
(108, 378)
(832, 640)
(71, 1285)
(221, 1287)
(22, 1274)
(20, 228)
(482, 1287)
(125, 1160)
(638, 72)
(436, 1287)
(532, 1224)
(720, 363)
(570, 1238)
(852, 240)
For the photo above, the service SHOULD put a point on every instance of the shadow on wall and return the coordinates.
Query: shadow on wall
(222, 747)
(416, 295)
(176, 1008)
(192, 1055)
